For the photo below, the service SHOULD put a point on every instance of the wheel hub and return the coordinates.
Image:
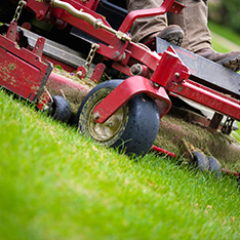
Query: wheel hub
(106, 131)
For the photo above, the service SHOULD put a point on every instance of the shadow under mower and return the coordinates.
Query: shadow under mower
(152, 83)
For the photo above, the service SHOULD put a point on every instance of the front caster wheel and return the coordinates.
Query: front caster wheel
(214, 166)
(132, 129)
(200, 161)
(60, 109)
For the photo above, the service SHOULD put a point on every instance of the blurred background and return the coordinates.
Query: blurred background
(224, 23)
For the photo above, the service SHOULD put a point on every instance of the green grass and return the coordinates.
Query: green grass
(224, 32)
(217, 46)
(56, 184)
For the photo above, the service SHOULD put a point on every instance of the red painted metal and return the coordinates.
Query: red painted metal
(176, 7)
(140, 69)
(213, 91)
(125, 91)
(12, 31)
(81, 72)
(38, 49)
(39, 7)
(167, 70)
(22, 71)
(133, 15)
(163, 151)
(117, 49)
(176, 71)
(230, 172)
(100, 34)
(118, 53)
(98, 72)
(142, 55)
(212, 99)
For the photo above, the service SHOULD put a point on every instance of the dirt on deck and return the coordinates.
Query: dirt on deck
(73, 93)
(175, 134)
(179, 136)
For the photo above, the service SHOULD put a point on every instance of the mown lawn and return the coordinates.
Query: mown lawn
(56, 184)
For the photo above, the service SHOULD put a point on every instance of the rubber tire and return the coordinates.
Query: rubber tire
(61, 109)
(201, 161)
(214, 166)
(140, 123)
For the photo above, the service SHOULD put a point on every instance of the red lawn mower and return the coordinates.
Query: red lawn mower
(147, 81)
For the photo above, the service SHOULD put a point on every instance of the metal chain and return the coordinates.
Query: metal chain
(91, 55)
(18, 11)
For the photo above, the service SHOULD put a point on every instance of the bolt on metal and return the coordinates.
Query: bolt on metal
(79, 73)
(96, 116)
(177, 75)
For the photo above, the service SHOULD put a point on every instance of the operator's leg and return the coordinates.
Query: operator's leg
(193, 20)
(146, 28)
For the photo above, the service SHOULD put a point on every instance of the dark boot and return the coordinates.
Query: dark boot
(143, 29)
(230, 60)
(193, 21)
(173, 34)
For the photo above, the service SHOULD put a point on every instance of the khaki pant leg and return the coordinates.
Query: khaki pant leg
(193, 21)
(145, 26)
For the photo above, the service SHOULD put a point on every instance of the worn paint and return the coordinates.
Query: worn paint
(11, 66)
